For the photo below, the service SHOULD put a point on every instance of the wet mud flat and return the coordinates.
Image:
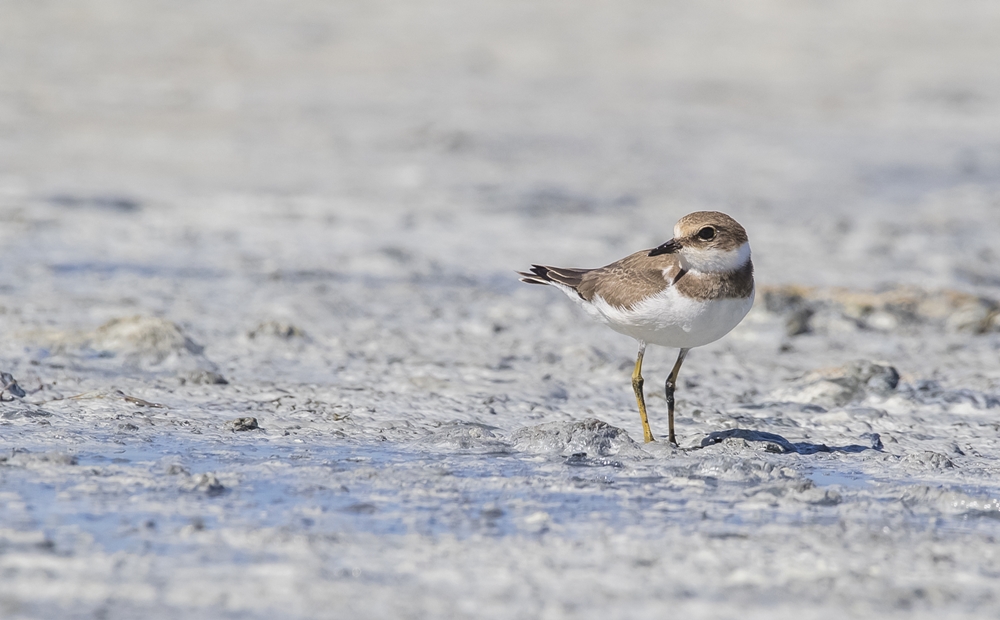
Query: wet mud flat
(264, 353)
(340, 470)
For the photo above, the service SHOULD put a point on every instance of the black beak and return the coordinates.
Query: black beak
(669, 247)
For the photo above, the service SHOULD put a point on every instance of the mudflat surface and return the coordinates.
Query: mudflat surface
(272, 360)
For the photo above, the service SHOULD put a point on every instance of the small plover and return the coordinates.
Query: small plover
(685, 293)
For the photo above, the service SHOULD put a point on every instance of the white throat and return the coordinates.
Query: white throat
(713, 260)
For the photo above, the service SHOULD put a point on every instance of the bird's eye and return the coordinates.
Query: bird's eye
(706, 234)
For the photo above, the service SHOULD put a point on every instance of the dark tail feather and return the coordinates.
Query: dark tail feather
(538, 275)
(547, 275)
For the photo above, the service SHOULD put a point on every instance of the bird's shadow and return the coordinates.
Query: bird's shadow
(771, 442)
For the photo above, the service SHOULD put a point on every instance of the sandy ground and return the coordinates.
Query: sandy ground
(310, 215)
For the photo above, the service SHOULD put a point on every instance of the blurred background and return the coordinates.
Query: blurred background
(858, 142)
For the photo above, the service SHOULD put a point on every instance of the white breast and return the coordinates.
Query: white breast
(670, 319)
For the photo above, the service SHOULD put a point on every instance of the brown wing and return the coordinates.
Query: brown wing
(626, 282)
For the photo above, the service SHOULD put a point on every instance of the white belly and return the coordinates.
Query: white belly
(671, 320)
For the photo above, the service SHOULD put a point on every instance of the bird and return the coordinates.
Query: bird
(685, 293)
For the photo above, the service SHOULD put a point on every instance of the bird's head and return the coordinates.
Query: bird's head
(708, 241)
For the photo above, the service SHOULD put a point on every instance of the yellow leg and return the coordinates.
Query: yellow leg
(637, 387)
(671, 384)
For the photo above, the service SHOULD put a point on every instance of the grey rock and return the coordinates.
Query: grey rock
(144, 340)
(9, 384)
(31, 460)
(929, 459)
(208, 484)
(590, 436)
(756, 440)
(204, 377)
(278, 330)
(840, 386)
(242, 424)
(469, 436)
(798, 321)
